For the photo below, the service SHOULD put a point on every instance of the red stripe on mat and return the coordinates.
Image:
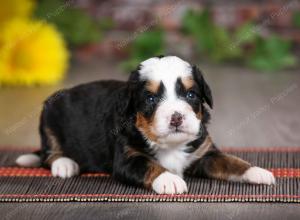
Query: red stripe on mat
(39, 172)
(146, 196)
(36, 172)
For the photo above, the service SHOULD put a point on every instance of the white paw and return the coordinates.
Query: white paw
(259, 176)
(28, 160)
(168, 183)
(64, 167)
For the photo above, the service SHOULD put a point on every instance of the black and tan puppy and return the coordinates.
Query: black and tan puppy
(149, 131)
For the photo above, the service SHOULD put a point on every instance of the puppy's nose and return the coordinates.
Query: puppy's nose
(176, 119)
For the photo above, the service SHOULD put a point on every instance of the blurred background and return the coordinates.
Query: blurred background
(249, 53)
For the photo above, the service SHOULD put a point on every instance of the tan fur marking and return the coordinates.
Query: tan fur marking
(205, 146)
(199, 115)
(154, 170)
(55, 149)
(130, 152)
(187, 82)
(226, 165)
(152, 86)
(145, 126)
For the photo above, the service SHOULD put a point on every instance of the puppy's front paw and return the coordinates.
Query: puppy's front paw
(64, 167)
(259, 176)
(168, 183)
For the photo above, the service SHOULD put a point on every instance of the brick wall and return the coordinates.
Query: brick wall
(131, 14)
(134, 16)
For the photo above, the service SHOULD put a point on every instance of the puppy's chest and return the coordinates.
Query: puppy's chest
(175, 160)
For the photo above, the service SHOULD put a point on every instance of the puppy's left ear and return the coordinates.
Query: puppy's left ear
(126, 99)
(205, 90)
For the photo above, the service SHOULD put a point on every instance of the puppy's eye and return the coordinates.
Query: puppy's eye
(151, 99)
(191, 95)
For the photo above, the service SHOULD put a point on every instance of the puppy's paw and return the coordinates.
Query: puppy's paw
(168, 183)
(259, 176)
(28, 160)
(64, 167)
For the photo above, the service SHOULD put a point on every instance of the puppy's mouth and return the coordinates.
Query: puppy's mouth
(174, 132)
(177, 130)
(175, 137)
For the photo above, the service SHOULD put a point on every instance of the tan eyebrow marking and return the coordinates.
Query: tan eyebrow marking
(152, 86)
(187, 82)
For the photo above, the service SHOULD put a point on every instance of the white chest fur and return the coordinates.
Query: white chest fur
(176, 160)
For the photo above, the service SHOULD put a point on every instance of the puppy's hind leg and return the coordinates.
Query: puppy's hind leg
(29, 160)
(61, 166)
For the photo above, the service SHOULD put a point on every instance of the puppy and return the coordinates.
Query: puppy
(149, 131)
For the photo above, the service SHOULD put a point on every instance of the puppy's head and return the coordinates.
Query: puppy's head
(168, 95)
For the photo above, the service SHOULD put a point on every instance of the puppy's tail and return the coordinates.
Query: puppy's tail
(29, 160)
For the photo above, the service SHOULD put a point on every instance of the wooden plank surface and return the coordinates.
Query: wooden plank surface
(151, 211)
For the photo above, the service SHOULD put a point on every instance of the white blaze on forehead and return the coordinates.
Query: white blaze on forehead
(167, 70)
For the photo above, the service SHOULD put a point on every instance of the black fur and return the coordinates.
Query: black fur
(204, 88)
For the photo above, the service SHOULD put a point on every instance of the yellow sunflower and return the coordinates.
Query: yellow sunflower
(31, 52)
(15, 9)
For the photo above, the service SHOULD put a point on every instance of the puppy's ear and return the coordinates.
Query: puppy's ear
(134, 75)
(205, 90)
(127, 98)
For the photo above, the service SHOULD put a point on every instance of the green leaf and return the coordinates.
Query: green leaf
(246, 33)
(272, 54)
(220, 45)
(212, 40)
(147, 44)
(76, 26)
(296, 19)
